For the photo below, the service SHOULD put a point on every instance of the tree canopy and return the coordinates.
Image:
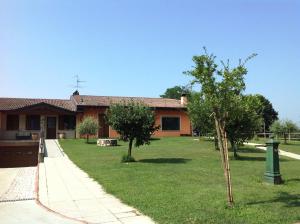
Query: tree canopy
(134, 121)
(284, 128)
(176, 92)
(89, 126)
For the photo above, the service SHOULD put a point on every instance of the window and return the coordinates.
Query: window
(12, 122)
(170, 123)
(33, 122)
(67, 122)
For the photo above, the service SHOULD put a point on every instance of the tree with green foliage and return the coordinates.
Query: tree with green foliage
(134, 121)
(268, 112)
(241, 125)
(89, 126)
(222, 88)
(176, 92)
(284, 128)
(244, 122)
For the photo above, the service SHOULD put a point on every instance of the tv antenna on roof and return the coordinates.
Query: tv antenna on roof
(77, 85)
(78, 81)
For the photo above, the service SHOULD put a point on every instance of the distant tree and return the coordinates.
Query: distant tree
(133, 121)
(222, 88)
(244, 122)
(284, 127)
(176, 92)
(268, 112)
(87, 127)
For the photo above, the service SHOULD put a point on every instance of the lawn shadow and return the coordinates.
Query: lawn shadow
(164, 160)
(248, 158)
(154, 139)
(290, 200)
(292, 180)
(250, 150)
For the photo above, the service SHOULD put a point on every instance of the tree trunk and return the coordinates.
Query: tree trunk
(130, 147)
(285, 138)
(222, 140)
(87, 138)
(234, 148)
(216, 142)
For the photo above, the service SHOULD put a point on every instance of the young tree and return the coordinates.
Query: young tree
(87, 127)
(133, 121)
(176, 92)
(222, 89)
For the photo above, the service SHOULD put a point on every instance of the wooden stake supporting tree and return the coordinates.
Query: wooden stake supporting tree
(222, 88)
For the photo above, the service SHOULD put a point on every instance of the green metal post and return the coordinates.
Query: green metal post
(272, 174)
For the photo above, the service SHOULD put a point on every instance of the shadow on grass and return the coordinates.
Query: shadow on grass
(290, 200)
(154, 139)
(292, 180)
(165, 160)
(248, 158)
(250, 150)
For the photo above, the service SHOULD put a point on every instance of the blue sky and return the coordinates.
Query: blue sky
(140, 48)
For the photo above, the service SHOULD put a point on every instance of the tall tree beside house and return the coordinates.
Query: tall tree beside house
(222, 88)
(176, 92)
(89, 126)
(134, 121)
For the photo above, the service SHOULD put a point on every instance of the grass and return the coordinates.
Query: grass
(291, 146)
(179, 180)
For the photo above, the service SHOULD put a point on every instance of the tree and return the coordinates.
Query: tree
(241, 125)
(87, 127)
(244, 122)
(176, 92)
(133, 121)
(284, 127)
(268, 112)
(222, 89)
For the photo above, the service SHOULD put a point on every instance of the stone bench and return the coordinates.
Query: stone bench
(107, 142)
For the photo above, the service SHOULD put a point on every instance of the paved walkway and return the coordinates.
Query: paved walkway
(281, 152)
(66, 189)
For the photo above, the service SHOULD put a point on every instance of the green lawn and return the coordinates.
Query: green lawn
(291, 146)
(179, 180)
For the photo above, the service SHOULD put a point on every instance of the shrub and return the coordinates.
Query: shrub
(87, 127)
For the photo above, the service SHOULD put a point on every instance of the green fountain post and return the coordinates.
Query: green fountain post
(272, 174)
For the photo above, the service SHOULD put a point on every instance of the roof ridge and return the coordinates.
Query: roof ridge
(130, 97)
(24, 98)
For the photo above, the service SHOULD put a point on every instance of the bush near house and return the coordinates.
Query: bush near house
(87, 127)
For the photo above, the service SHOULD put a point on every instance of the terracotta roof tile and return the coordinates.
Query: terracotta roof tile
(84, 100)
(17, 103)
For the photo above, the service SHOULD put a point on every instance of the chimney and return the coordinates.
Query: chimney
(183, 99)
(76, 93)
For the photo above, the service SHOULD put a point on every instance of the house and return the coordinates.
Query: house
(22, 118)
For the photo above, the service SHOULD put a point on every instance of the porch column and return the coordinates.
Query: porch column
(43, 125)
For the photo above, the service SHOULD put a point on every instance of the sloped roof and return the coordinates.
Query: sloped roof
(18, 103)
(105, 101)
(7, 104)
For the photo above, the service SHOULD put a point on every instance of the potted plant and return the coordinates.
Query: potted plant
(61, 135)
(34, 136)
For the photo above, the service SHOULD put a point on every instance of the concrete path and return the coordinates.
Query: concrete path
(66, 189)
(281, 152)
(29, 212)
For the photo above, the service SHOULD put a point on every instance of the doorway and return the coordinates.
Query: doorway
(103, 131)
(51, 128)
